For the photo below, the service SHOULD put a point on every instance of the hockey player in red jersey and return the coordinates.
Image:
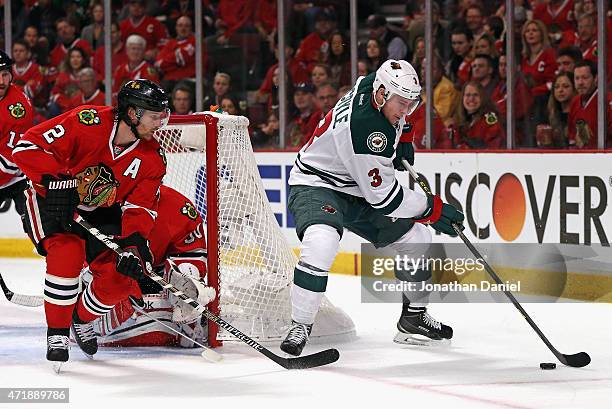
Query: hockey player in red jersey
(16, 117)
(92, 157)
(178, 234)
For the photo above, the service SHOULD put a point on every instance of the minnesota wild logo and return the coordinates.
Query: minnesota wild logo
(97, 186)
(189, 211)
(17, 110)
(89, 117)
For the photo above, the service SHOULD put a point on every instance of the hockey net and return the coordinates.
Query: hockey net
(210, 160)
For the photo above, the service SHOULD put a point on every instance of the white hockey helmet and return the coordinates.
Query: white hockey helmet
(400, 78)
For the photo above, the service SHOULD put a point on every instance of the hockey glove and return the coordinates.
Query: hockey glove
(136, 254)
(441, 216)
(62, 198)
(405, 150)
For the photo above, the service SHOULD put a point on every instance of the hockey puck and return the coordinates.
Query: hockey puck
(547, 365)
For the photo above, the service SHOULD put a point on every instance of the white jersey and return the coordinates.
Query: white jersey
(352, 151)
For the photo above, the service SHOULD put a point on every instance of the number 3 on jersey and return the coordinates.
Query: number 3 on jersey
(54, 133)
(376, 178)
(321, 128)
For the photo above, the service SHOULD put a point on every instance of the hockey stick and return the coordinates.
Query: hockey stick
(325, 357)
(577, 360)
(21, 299)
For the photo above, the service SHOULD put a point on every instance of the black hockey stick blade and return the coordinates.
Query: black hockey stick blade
(20, 299)
(321, 358)
(576, 360)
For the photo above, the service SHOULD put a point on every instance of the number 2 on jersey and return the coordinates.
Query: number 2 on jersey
(54, 133)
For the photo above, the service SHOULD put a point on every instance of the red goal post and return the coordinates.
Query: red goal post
(250, 263)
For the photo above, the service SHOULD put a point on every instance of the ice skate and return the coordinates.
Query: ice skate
(296, 340)
(57, 348)
(84, 335)
(417, 327)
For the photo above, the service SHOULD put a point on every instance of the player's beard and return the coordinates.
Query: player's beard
(3, 90)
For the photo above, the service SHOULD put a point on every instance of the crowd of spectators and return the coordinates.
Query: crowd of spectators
(58, 49)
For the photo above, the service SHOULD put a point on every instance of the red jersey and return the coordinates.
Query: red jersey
(178, 229)
(118, 58)
(415, 130)
(541, 73)
(464, 72)
(266, 15)
(484, 133)
(311, 47)
(236, 14)
(149, 28)
(80, 143)
(16, 117)
(123, 74)
(562, 17)
(30, 78)
(522, 98)
(98, 98)
(177, 59)
(60, 51)
(582, 121)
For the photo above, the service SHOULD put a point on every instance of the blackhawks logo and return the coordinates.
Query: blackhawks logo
(97, 186)
(89, 117)
(490, 118)
(189, 211)
(17, 110)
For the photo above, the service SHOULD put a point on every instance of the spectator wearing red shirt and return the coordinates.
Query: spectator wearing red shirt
(339, 59)
(177, 59)
(89, 91)
(26, 73)
(585, 37)
(67, 83)
(233, 16)
(67, 39)
(147, 27)
(559, 13)
(314, 47)
(522, 101)
(582, 131)
(539, 66)
(136, 67)
(415, 130)
(306, 118)
(476, 121)
(563, 92)
(118, 55)
(567, 58)
(458, 67)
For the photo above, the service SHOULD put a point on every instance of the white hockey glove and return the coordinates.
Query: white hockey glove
(188, 281)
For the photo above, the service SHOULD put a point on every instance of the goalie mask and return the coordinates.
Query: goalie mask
(399, 78)
(148, 99)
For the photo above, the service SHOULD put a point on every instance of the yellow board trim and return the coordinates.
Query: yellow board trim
(18, 248)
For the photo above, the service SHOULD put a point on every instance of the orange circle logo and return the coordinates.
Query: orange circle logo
(509, 207)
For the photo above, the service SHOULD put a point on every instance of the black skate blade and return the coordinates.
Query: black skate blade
(420, 340)
(576, 360)
(309, 361)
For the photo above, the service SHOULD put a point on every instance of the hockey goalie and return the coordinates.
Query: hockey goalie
(178, 235)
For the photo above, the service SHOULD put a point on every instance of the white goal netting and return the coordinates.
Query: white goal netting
(255, 262)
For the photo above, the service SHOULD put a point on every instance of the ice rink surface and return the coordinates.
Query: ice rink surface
(493, 361)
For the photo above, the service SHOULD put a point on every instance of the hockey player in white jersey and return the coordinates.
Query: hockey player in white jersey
(344, 177)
